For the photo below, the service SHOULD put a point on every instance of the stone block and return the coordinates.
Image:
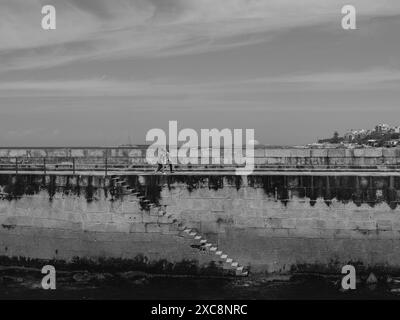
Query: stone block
(300, 153)
(77, 153)
(150, 219)
(364, 225)
(96, 153)
(288, 223)
(336, 153)
(384, 225)
(57, 153)
(277, 153)
(134, 217)
(38, 153)
(273, 223)
(359, 153)
(319, 153)
(373, 153)
(18, 153)
(389, 152)
(137, 227)
(153, 228)
(208, 227)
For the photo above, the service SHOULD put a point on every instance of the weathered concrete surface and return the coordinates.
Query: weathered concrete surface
(268, 223)
(69, 226)
(98, 159)
(140, 151)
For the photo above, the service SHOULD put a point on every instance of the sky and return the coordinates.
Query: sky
(112, 70)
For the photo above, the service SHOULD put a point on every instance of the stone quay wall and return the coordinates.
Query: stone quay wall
(379, 158)
(267, 223)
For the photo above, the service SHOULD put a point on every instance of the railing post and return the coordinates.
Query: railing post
(44, 165)
(106, 165)
(73, 166)
(16, 165)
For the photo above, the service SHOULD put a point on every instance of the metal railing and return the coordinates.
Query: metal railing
(139, 163)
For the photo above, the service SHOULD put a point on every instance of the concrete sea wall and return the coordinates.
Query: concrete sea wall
(269, 223)
(99, 158)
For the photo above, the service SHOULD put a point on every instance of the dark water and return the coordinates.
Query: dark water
(26, 284)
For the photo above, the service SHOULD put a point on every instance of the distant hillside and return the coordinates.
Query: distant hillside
(382, 135)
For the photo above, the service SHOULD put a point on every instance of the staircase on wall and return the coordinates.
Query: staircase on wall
(202, 243)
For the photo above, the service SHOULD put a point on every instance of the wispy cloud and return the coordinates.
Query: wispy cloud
(376, 78)
(173, 88)
(89, 29)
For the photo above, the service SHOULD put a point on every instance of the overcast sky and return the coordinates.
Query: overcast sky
(112, 70)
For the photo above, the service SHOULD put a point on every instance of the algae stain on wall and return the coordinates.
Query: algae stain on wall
(358, 190)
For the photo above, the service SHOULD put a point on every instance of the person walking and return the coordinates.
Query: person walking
(161, 160)
(169, 162)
